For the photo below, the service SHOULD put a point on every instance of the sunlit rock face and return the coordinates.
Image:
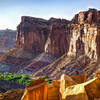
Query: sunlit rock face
(49, 39)
(85, 38)
(90, 17)
(80, 36)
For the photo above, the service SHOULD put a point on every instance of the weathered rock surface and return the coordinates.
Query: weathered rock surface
(69, 65)
(59, 35)
(39, 62)
(83, 55)
(67, 88)
(33, 34)
(85, 34)
(76, 42)
(14, 60)
(92, 16)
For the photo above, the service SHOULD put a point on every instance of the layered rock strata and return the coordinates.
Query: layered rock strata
(84, 47)
(75, 40)
(85, 34)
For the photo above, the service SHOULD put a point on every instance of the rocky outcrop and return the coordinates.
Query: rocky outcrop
(84, 47)
(46, 36)
(85, 34)
(33, 34)
(59, 35)
(92, 16)
(74, 87)
(32, 39)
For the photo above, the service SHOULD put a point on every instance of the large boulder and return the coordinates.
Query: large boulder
(65, 82)
(37, 90)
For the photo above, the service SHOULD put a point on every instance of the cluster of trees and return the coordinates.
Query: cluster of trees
(21, 79)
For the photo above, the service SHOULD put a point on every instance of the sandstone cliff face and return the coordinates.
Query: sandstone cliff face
(32, 39)
(59, 38)
(49, 34)
(84, 47)
(85, 34)
(78, 39)
(33, 34)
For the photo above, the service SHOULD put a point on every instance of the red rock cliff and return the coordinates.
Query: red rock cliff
(55, 37)
(38, 35)
(32, 34)
(84, 47)
(59, 38)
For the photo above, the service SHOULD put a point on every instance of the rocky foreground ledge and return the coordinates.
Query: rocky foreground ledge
(75, 87)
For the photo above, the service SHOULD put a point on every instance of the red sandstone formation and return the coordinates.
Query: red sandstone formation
(78, 39)
(85, 34)
(92, 16)
(39, 35)
(33, 34)
(84, 47)
(59, 40)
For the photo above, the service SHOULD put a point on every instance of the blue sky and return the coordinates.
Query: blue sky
(12, 10)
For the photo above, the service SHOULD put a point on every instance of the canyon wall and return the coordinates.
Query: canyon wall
(32, 34)
(83, 54)
(59, 36)
(39, 35)
(85, 38)
(40, 42)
